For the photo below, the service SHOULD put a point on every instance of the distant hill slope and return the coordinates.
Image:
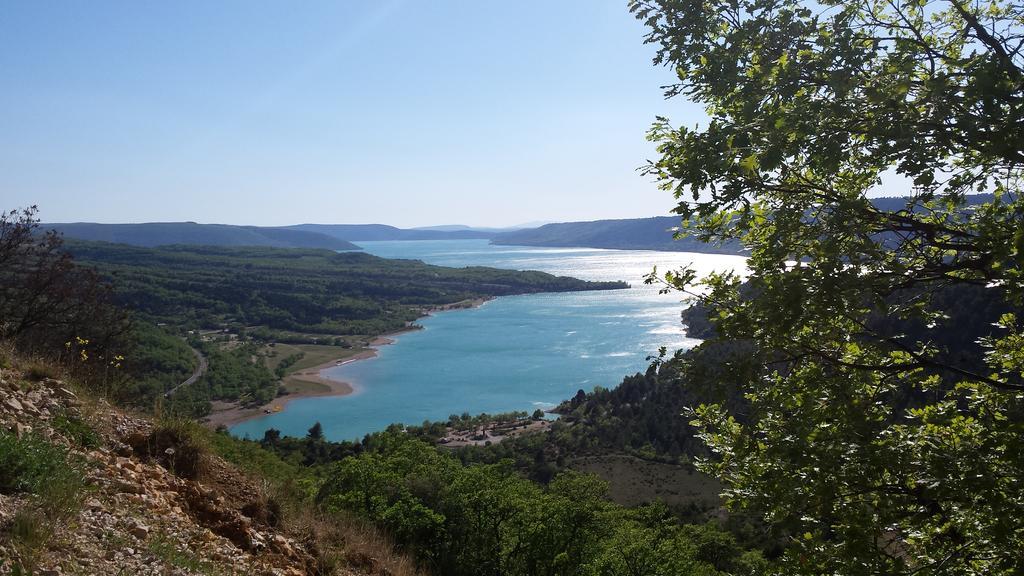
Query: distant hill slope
(646, 233)
(166, 233)
(481, 229)
(633, 234)
(371, 232)
(301, 290)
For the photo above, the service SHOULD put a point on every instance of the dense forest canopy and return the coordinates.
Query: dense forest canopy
(880, 451)
(304, 290)
(485, 519)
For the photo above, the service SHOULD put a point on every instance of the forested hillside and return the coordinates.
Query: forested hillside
(632, 234)
(168, 233)
(232, 303)
(658, 233)
(302, 290)
(357, 232)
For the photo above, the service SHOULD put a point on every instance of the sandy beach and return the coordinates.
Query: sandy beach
(228, 413)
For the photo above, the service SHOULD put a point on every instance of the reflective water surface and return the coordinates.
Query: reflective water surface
(512, 353)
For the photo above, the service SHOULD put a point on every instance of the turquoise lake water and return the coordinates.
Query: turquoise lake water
(512, 353)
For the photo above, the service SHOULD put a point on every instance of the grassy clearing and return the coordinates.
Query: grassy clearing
(273, 355)
(296, 385)
(314, 355)
(633, 481)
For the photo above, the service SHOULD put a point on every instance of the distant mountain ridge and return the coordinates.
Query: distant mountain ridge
(376, 232)
(484, 229)
(654, 233)
(629, 234)
(152, 234)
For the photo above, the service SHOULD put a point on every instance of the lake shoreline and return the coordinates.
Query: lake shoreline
(230, 414)
(518, 353)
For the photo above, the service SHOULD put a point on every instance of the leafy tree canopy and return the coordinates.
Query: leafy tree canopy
(48, 302)
(874, 449)
(486, 520)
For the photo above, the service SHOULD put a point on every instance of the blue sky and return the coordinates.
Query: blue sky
(404, 112)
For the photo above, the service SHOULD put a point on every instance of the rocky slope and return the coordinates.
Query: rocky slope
(134, 515)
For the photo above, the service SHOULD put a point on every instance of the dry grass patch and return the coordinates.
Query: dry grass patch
(37, 371)
(338, 541)
(179, 445)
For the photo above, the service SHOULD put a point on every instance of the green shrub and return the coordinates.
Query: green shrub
(252, 458)
(54, 479)
(265, 509)
(179, 445)
(77, 430)
(33, 465)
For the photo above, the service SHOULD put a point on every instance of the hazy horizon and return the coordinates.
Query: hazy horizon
(450, 225)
